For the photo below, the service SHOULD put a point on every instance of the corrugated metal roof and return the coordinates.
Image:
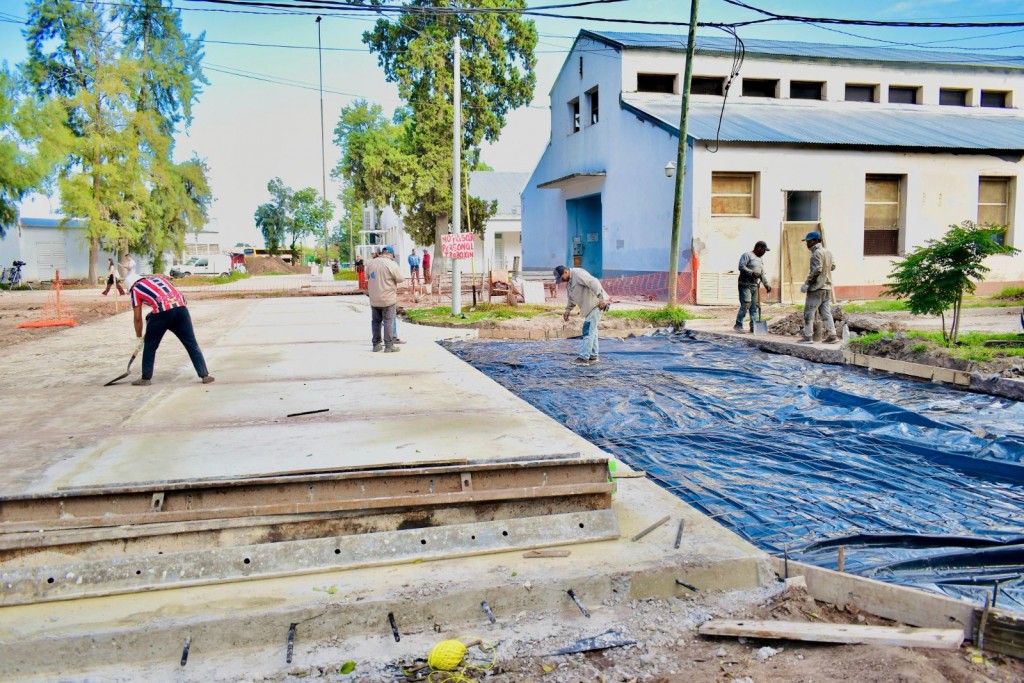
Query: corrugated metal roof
(504, 186)
(50, 223)
(783, 48)
(845, 123)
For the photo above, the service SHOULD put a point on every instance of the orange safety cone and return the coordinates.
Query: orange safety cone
(53, 313)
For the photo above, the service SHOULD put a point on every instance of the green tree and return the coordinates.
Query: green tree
(121, 83)
(178, 205)
(308, 208)
(935, 277)
(274, 218)
(27, 156)
(497, 63)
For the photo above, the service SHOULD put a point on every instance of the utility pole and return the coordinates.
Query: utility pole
(323, 153)
(457, 167)
(684, 115)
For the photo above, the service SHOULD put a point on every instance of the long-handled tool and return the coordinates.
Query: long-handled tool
(138, 347)
(760, 325)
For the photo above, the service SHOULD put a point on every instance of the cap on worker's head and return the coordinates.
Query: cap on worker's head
(812, 235)
(130, 281)
(559, 271)
(762, 244)
(390, 250)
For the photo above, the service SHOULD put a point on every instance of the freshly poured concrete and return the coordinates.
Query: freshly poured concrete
(273, 357)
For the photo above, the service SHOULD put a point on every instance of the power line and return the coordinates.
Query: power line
(869, 22)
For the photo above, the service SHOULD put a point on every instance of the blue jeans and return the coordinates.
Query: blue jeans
(748, 302)
(178, 322)
(590, 323)
(819, 301)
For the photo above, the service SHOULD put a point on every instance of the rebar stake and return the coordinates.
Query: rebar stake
(184, 651)
(578, 603)
(291, 643)
(487, 610)
(394, 626)
(679, 533)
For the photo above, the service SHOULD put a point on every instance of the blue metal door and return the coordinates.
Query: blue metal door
(584, 234)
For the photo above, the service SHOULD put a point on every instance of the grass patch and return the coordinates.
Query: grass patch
(875, 306)
(970, 346)
(346, 275)
(1010, 293)
(200, 280)
(654, 316)
(482, 311)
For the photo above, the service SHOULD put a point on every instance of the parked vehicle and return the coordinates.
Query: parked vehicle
(214, 264)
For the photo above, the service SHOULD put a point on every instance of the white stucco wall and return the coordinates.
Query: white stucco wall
(940, 190)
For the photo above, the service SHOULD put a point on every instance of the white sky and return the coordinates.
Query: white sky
(259, 117)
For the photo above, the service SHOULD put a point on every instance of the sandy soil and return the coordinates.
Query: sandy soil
(667, 648)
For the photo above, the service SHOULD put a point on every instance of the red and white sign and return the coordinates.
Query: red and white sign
(459, 245)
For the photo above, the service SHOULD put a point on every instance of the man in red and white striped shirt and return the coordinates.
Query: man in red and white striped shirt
(169, 313)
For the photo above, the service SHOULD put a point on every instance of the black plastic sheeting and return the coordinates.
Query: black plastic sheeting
(922, 485)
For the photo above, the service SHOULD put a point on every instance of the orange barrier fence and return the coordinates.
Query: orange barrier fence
(54, 313)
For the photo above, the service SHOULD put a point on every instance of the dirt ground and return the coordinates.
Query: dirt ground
(666, 648)
(84, 306)
(263, 265)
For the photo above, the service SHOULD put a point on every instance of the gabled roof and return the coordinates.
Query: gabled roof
(807, 51)
(72, 223)
(841, 124)
(504, 186)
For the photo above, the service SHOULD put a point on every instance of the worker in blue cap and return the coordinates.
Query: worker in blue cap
(818, 288)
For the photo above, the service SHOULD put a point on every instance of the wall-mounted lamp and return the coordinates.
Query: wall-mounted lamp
(670, 169)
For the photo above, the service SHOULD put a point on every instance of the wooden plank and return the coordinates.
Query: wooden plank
(1004, 633)
(903, 636)
(899, 603)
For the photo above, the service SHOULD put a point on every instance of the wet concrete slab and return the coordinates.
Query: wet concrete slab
(273, 357)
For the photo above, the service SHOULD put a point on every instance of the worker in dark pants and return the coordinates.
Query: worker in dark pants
(169, 313)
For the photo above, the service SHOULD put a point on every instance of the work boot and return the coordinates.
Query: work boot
(593, 358)
(378, 347)
(580, 360)
(832, 339)
(142, 382)
(804, 339)
(738, 327)
(207, 379)
(391, 349)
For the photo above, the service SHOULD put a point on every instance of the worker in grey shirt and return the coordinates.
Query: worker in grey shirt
(584, 290)
(751, 277)
(383, 278)
(818, 288)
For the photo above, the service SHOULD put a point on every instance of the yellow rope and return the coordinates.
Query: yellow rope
(447, 661)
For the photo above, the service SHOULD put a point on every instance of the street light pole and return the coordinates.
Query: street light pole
(457, 167)
(323, 152)
(677, 204)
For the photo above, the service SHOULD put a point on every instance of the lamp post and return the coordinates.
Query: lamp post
(457, 166)
(323, 152)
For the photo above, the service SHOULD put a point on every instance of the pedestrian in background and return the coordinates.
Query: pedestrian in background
(382, 279)
(113, 278)
(751, 277)
(584, 290)
(414, 267)
(168, 313)
(426, 266)
(818, 288)
(129, 266)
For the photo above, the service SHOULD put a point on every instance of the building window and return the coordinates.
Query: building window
(861, 92)
(733, 194)
(994, 203)
(665, 83)
(707, 85)
(995, 98)
(574, 112)
(760, 87)
(592, 96)
(953, 97)
(882, 215)
(807, 90)
(904, 94)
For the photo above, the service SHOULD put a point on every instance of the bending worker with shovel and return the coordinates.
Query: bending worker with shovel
(751, 277)
(169, 313)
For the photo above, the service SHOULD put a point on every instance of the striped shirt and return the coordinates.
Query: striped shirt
(158, 292)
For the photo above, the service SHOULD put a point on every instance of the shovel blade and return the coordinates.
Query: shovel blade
(116, 379)
(760, 327)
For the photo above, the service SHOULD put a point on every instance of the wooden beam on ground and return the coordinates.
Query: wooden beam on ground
(903, 636)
